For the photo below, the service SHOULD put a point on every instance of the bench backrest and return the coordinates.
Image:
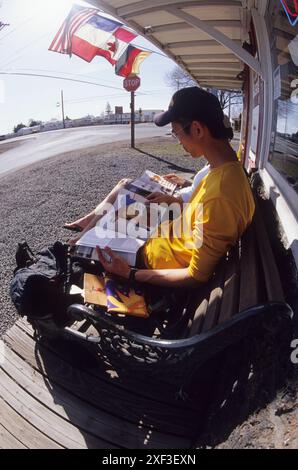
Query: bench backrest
(247, 276)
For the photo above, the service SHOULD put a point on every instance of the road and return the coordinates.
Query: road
(48, 144)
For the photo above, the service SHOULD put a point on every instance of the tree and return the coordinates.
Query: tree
(229, 98)
(108, 109)
(177, 78)
(18, 127)
(33, 122)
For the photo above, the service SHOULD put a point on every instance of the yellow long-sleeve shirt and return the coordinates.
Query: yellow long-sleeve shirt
(219, 211)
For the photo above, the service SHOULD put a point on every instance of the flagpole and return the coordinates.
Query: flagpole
(132, 120)
(62, 106)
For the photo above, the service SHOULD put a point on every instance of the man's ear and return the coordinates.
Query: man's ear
(198, 129)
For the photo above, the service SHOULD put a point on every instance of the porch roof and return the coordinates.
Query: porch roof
(203, 37)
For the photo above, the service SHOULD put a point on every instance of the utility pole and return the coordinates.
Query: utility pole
(132, 119)
(131, 84)
(62, 107)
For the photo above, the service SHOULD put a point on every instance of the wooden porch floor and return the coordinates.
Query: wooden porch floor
(55, 394)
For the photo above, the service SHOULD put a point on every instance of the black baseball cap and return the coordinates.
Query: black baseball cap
(194, 104)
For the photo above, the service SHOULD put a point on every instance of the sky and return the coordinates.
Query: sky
(24, 49)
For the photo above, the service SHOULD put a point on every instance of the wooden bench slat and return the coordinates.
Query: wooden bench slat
(271, 274)
(215, 297)
(196, 322)
(249, 276)
(230, 298)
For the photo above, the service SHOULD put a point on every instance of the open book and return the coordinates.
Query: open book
(130, 222)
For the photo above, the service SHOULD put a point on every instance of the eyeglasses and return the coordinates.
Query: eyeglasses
(175, 135)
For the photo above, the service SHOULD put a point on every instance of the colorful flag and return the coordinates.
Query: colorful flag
(130, 61)
(75, 19)
(101, 36)
(87, 34)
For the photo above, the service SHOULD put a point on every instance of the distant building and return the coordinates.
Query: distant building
(25, 131)
(51, 126)
(146, 115)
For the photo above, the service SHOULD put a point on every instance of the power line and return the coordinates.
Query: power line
(138, 93)
(54, 71)
(59, 78)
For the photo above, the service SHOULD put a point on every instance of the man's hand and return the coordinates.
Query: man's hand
(122, 183)
(175, 179)
(115, 264)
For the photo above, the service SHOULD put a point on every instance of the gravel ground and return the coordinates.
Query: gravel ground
(38, 200)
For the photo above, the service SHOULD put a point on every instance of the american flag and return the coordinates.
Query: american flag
(87, 34)
(77, 17)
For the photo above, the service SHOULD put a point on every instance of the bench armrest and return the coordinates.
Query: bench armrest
(145, 350)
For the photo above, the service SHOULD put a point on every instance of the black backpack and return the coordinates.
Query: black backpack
(41, 283)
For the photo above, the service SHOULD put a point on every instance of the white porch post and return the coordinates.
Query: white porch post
(267, 76)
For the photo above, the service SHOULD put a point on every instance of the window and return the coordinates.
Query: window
(284, 143)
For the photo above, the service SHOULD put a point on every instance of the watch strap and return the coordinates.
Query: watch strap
(132, 274)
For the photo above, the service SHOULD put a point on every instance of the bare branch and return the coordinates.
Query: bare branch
(178, 78)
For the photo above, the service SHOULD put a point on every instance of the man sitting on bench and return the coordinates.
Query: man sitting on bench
(224, 195)
(182, 195)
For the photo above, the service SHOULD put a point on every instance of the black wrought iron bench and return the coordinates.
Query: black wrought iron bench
(243, 300)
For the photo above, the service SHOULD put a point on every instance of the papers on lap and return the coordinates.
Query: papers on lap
(131, 221)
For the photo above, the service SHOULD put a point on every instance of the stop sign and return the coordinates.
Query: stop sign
(131, 83)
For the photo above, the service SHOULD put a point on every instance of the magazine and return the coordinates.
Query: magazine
(122, 297)
(94, 290)
(127, 247)
(150, 182)
(117, 296)
(130, 224)
(144, 217)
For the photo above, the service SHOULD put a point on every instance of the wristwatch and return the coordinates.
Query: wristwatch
(132, 274)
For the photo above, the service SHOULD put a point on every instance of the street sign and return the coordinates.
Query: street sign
(131, 83)
(118, 109)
